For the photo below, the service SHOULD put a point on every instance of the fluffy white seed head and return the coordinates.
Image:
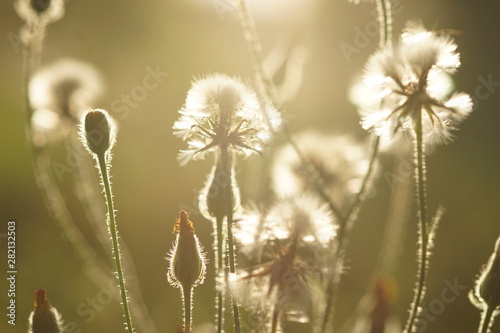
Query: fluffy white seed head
(411, 80)
(67, 87)
(223, 112)
(339, 160)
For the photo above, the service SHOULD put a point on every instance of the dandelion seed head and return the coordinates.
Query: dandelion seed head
(412, 80)
(303, 215)
(67, 87)
(339, 160)
(221, 111)
(279, 283)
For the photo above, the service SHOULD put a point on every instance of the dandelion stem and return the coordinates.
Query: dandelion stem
(486, 320)
(423, 240)
(227, 167)
(269, 90)
(103, 167)
(275, 320)
(385, 20)
(219, 271)
(188, 308)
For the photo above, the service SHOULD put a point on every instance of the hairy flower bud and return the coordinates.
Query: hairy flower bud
(187, 261)
(487, 288)
(97, 131)
(45, 318)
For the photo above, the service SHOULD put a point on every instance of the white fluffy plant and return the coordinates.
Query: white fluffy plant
(223, 116)
(408, 91)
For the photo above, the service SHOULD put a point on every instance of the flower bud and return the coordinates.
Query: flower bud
(97, 131)
(214, 196)
(45, 318)
(487, 289)
(187, 260)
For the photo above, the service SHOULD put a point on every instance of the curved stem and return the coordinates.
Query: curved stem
(219, 272)
(423, 239)
(486, 320)
(227, 167)
(103, 167)
(188, 308)
(269, 90)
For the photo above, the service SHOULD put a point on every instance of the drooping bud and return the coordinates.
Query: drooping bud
(44, 318)
(486, 292)
(187, 260)
(97, 131)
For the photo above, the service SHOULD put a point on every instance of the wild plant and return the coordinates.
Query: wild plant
(280, 257)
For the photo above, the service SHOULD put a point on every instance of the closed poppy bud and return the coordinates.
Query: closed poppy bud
(187, 261)
(44, 318)
(97, 131)
(487, 289)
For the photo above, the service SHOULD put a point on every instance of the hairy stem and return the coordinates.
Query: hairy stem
(219, 272)
(188, 308)
(229, 197)
(385, 20)
(275, 320)
(269, 90)
(423, 239)
(103, 167)
(487, 319)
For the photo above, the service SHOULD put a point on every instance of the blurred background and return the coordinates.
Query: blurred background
(125, 40)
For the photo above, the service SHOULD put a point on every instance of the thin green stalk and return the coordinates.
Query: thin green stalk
(103, 167)
(188, 308)
(486, 320)
(269, 90)
(227, 167)
(219, 269)
(420, 187)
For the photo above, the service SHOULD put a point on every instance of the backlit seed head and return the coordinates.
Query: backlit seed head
(187, 260)
(412, 81)
(40, 11)
(44, 318)
(486, 292)
(67, 87)
(222, 112)
(97, 131)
